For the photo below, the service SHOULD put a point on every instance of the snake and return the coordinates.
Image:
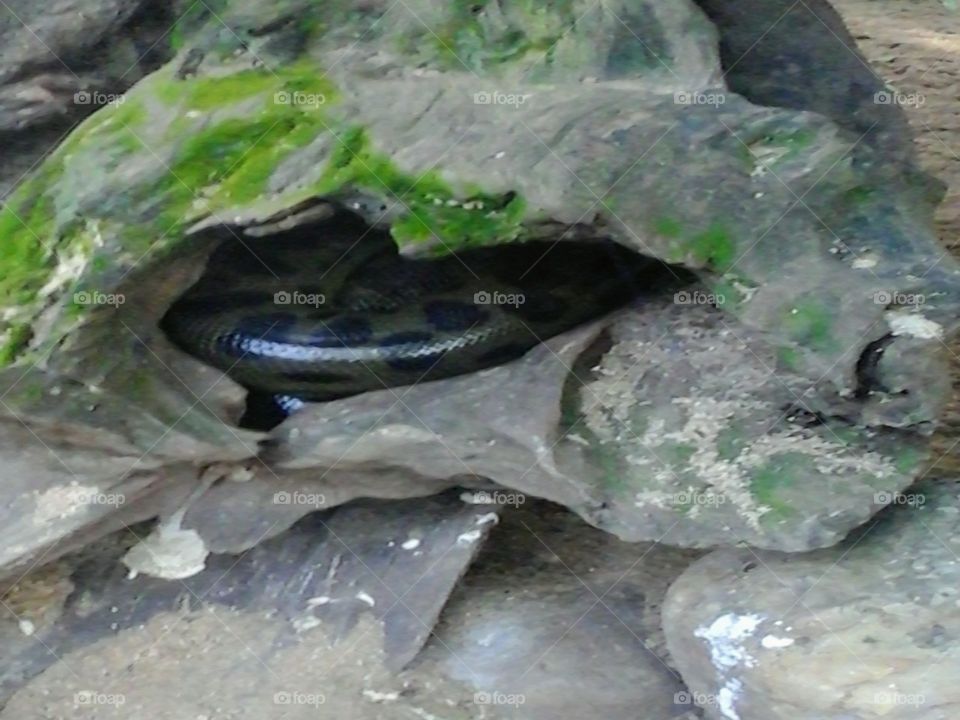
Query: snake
(333, 309)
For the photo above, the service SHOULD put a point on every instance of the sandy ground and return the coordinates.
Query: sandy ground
(914, 45)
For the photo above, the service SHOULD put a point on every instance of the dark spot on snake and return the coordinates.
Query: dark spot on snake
(539, 307)
(269, 327)
(453, 316)
(503, 354)
(345, 330)
(317, 376)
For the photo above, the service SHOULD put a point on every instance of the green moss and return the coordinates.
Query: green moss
(725, 287)
(908, 459)
(777, 474)
(668, 227)
(677, 454)
(26, 224)
(433, 208)
(196, 14)
(17, 338)
(788, 358)
(468, 39)
(713, 248)
(859, 195)
(793, 141)
(810, 323)
(730, 443)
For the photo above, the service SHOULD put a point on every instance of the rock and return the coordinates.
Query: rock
(554, 620)
(867, 629)
(62, 60)
(564, 620)
(505, 125)
(317, 582)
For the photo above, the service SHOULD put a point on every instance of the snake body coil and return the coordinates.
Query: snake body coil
(324, 312)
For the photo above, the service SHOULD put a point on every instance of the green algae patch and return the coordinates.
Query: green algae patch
(433, 208)
(713, 248)
(778, 473)
(470, 39)
(810, 323)
(668, 227)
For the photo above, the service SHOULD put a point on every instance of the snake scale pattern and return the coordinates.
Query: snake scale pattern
(330, 310)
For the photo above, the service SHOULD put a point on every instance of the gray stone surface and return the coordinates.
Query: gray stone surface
(867, 629)
(554, 620)
(779, 211)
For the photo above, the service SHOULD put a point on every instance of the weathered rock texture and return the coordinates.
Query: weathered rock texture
(867, 629)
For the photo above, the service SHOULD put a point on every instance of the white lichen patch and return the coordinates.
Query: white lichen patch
(73, 261)
(913, 325)
(829, 458)
(718, 481)
(59, 503)
(706, 418)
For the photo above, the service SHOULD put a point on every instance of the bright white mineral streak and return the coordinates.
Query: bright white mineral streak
(914, 325)
(725, 635)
